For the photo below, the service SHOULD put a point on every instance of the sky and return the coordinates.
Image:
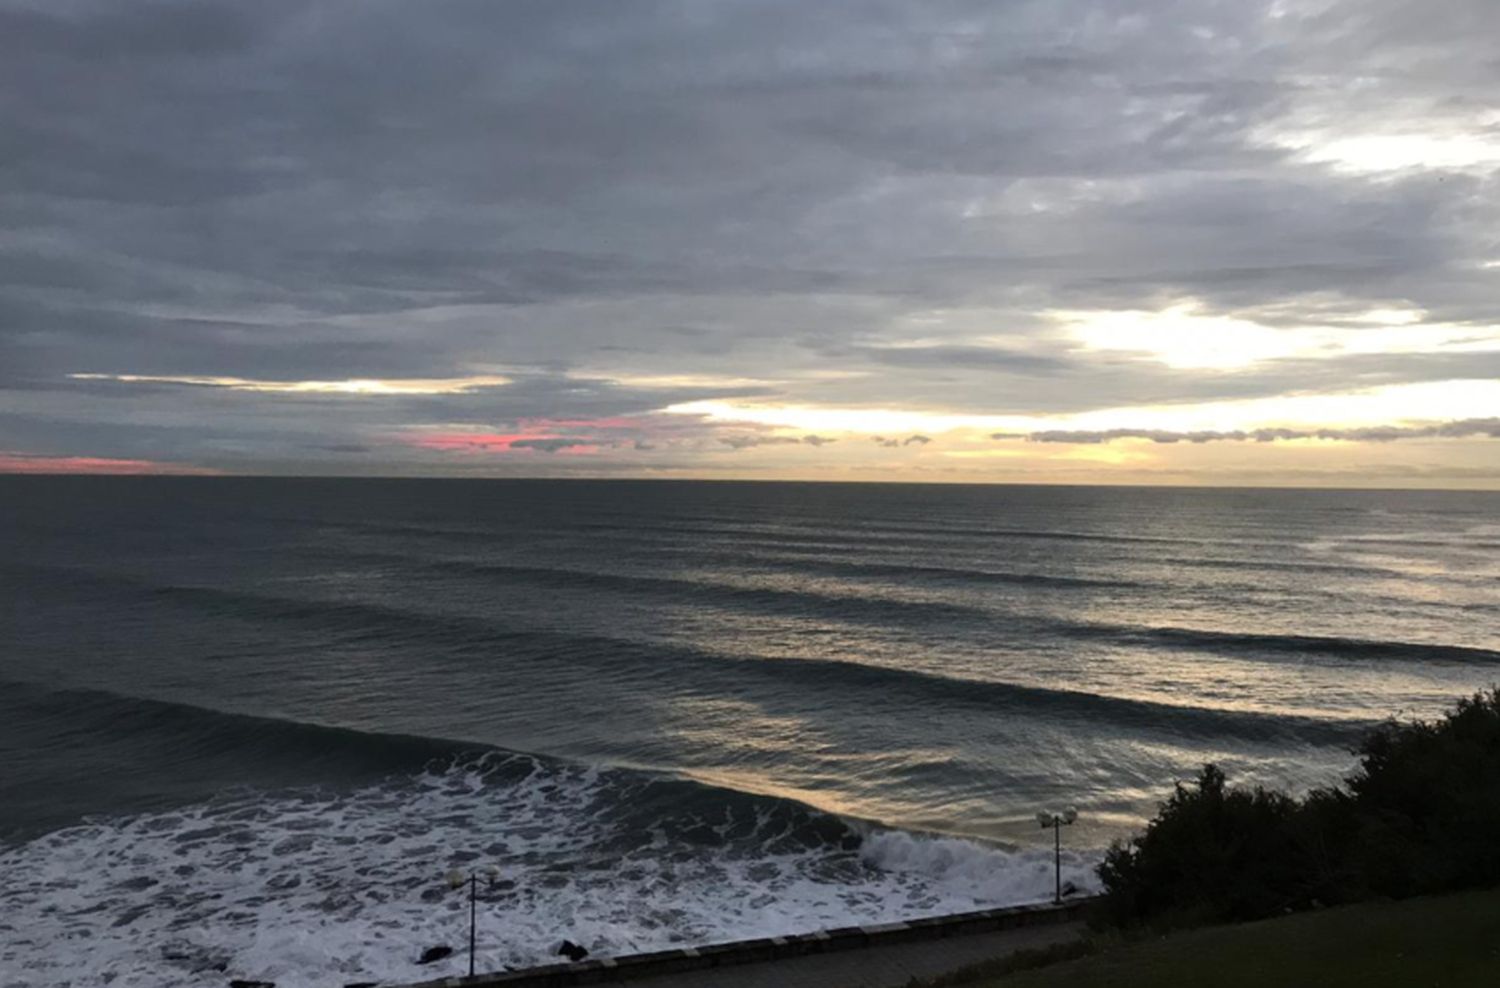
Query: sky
(1036, 241)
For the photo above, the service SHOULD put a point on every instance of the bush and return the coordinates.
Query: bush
(1428, 799)
(1422, 814)
(1211, 854)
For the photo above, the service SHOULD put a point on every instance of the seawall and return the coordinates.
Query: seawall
(721, 955)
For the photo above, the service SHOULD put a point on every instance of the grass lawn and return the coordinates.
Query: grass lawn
(1448, 941)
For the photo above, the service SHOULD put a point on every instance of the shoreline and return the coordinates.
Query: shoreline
(738, 953)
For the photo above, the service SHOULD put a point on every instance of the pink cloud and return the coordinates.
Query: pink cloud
(570, 437)
(575, 437)
(473, 442)
(31, 464)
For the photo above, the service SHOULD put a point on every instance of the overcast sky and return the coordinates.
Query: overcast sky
(1170, 241)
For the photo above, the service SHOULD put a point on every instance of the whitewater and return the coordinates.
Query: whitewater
(316, 888)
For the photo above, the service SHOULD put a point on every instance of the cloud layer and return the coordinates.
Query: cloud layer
(320, 236)
(1463, 429)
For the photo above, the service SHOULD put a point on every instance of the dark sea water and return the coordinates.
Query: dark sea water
(250, 723)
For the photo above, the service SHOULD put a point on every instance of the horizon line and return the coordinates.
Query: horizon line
(222, 475)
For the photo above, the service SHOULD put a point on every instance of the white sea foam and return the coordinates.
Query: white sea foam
(323, 889)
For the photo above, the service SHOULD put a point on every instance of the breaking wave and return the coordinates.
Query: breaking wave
(304, 884)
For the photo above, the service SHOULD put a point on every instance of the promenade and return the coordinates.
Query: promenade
(887, 956)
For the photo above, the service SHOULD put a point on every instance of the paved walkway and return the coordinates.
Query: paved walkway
(888, 966)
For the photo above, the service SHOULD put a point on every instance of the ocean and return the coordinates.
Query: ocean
(246, 725)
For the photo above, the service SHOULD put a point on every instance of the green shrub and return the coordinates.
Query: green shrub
(1211, 854)
(1428, 802)
(1422, 814)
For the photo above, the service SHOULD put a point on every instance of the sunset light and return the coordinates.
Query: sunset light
(1252, 228)
(729, 492)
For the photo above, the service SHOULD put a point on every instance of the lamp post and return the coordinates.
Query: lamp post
(456, 880)
(1057, 821)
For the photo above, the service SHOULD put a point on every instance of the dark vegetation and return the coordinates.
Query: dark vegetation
(1420, 815)
(1447, 941)
(1407, 849)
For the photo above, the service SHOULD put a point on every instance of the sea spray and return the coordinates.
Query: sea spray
(311, 887)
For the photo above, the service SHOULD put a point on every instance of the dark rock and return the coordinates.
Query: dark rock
(238, 983)
(434, 954)
(361, 984)
(572, 951)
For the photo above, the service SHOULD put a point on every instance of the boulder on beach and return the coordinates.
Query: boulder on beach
(434, 954)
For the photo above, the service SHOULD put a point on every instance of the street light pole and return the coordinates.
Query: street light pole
(457, 880)
(473, 898)
(1057, 821)
(1056, 873)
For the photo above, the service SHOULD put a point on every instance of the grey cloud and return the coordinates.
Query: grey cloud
(888, 443)
(144, 31)
(750, 441)
(215, 425)
(1104, 379)
(529, 393)
(311, 189)
(551, 445)
(990, 359)
(1457, 429)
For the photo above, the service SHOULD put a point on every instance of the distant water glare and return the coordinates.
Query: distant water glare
(247, 725)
